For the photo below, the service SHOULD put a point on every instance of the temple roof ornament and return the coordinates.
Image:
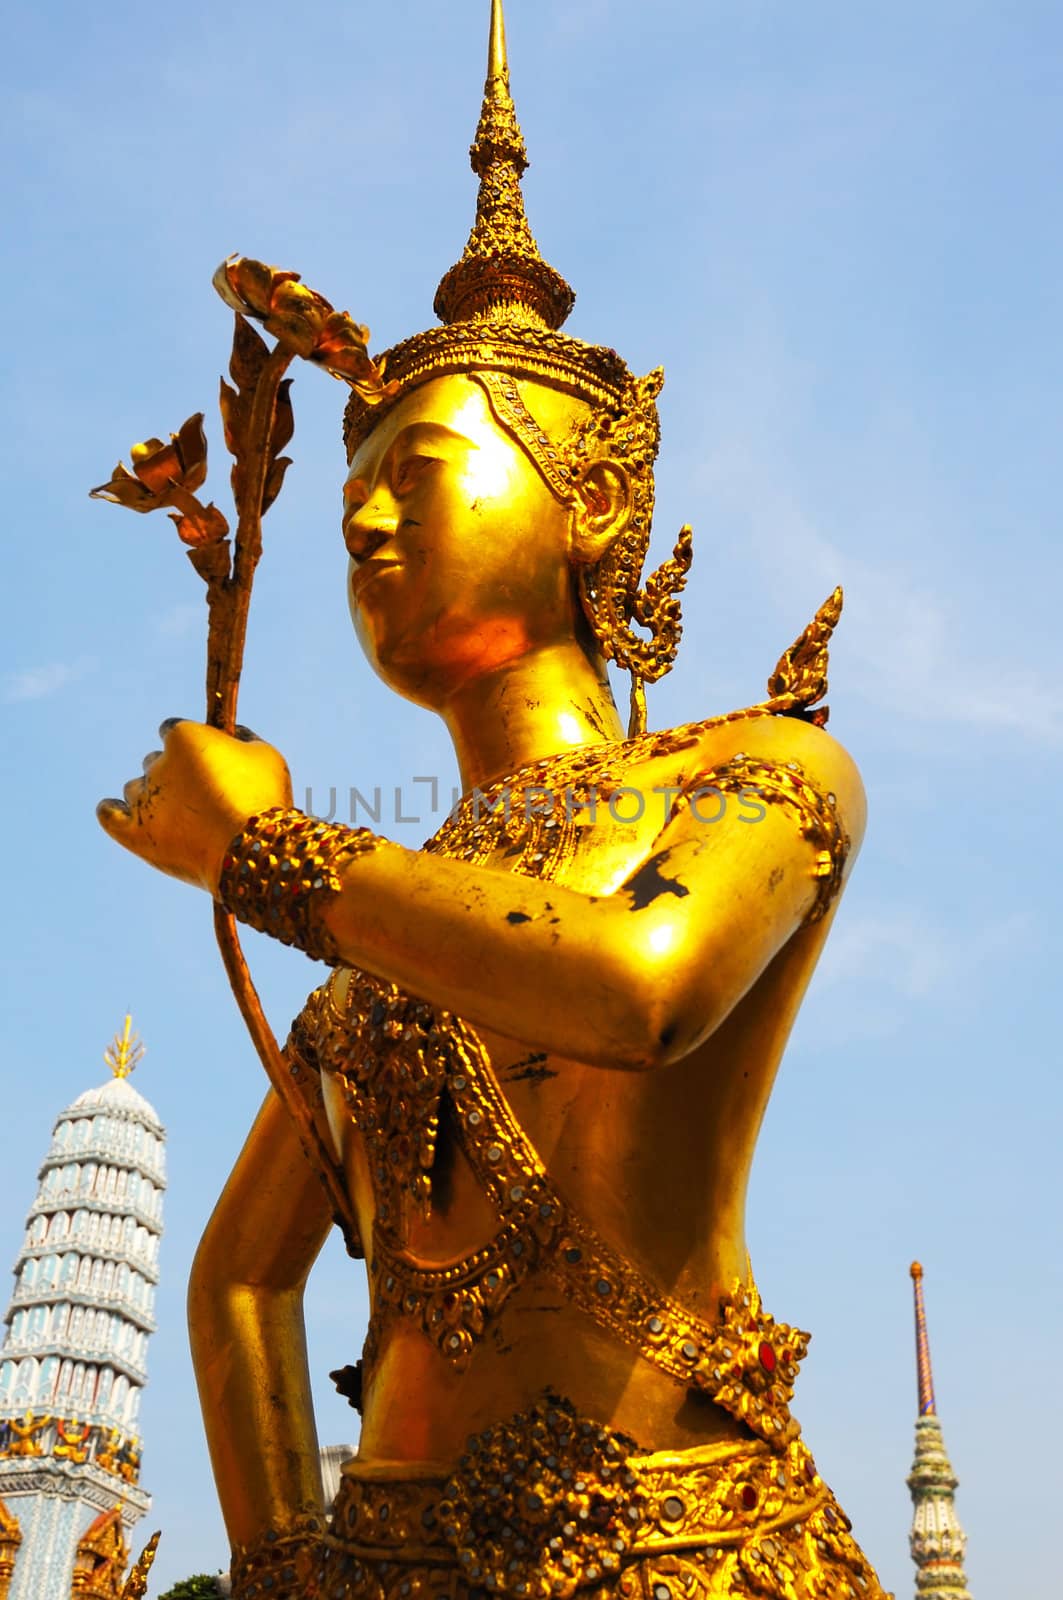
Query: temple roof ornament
(125, 1051)
(937, 1540)
(10, 1540)
(101, 1558)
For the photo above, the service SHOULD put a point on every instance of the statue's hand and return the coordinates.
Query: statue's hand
(195, 796)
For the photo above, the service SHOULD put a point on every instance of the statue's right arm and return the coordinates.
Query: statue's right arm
(245, 1313)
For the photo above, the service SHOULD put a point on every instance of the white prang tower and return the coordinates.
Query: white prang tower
(73, 1362)
(937, 1540)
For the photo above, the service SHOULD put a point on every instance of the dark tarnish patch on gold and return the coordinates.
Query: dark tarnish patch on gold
(533, 1068)
(649, 883)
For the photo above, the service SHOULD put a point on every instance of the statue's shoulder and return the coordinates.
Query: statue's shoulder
(786, 730)
(758, 733)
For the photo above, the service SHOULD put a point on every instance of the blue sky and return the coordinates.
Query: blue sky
(838, 228)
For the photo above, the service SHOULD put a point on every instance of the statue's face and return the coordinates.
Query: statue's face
(459, 553)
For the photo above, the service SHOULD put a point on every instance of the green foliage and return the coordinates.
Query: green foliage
(199, 1587)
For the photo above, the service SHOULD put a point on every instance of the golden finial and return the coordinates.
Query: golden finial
(497, 59)
(501, 274)
(125, 1051)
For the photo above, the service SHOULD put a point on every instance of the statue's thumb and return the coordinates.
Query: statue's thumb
(114, 818)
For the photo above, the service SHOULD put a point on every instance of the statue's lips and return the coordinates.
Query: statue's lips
(367, 570)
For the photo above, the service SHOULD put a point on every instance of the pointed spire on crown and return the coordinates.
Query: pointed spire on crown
(501, 274)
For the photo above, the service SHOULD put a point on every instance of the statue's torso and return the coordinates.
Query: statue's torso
(438, 1138)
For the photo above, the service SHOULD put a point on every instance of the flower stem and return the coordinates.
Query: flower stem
(228, 601)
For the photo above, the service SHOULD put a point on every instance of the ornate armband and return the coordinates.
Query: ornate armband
(281, 871)
(277, 1565)
(784, 783)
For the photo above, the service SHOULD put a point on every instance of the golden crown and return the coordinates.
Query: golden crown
(501, 306)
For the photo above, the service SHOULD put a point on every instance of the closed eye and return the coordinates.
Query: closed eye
(409, 470)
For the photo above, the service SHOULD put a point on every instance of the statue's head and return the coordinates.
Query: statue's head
(501, 497)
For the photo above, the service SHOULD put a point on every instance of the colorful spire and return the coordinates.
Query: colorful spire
(501, 274)
(937, 1540)
(927, 1406)
(125, 1051)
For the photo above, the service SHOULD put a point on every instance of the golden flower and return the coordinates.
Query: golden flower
(303, 322)
(169, 475)
(158, 468)
(294, 314)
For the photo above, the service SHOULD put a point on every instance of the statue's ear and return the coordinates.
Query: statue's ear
(602, 512)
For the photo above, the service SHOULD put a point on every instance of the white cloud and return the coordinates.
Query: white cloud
(897, 947)
(910, 654)
(875, 961)
(38, 683)
(181, 619)
(908, 650)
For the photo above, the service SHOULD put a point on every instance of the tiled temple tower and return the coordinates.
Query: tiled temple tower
(73, 1362)
(937, 1540)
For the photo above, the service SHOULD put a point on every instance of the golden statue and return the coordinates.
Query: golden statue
(72, 1441)
(531, 1087)
(128, 1461)
(25, 1435)
(107, 1449)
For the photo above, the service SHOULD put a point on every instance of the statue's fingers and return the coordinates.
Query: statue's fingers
(133, 793)
(115, 819)
(246, 734)
(168, 726)
(150, 759)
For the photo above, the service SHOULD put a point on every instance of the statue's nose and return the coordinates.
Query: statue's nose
(367, 525)
(371, 516)
(364, 533)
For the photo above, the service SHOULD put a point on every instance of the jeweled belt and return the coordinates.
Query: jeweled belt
(548, 1503)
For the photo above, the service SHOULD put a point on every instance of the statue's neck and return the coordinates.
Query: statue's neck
(553, 699)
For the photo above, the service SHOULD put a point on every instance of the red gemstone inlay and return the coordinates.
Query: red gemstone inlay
(768, 1359)
(748, 1496)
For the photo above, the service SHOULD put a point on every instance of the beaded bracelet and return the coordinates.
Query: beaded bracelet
(277, 1565)
(281, 871)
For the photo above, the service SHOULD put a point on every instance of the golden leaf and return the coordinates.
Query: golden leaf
(274, 480)
(125, 490)
(250, 354)
(283, 419)
(232, 415)
(800, 677)
(205, 525)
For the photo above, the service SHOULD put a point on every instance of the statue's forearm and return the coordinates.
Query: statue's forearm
(249, 1353)
(632, 979)
(247, 1335)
